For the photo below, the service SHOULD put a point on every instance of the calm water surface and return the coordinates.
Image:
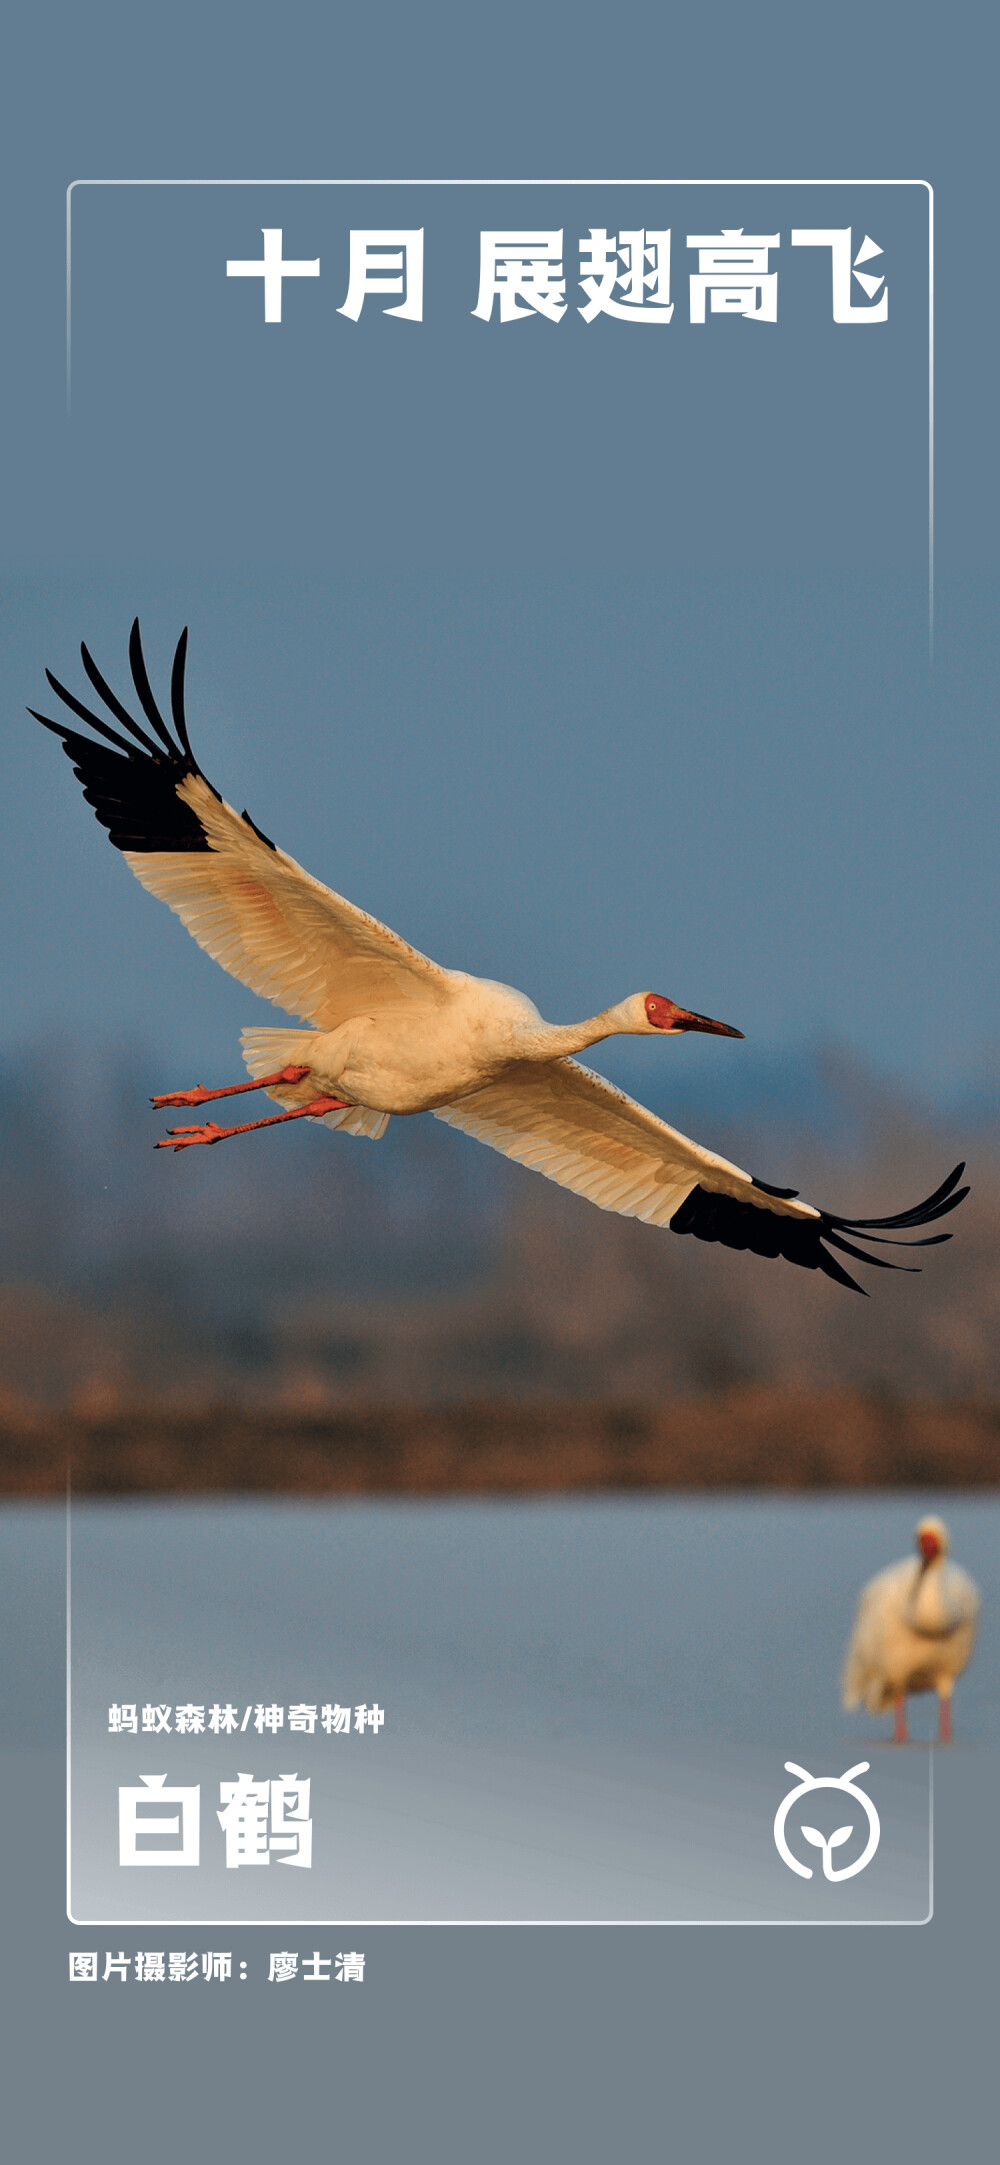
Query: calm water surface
(653, 1616)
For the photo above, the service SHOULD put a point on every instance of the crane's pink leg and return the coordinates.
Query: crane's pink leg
(200, 1096)
(944, 1719)
(186, 1137)
(900, 1733)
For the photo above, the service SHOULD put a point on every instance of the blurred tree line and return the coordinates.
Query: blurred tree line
(313, 1270)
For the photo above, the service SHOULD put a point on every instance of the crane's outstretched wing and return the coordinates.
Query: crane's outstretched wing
(253, 909)
(580, 1131)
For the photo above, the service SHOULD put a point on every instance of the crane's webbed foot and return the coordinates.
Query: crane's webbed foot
(200, 1096)
(210, 1133)
(185, 1138)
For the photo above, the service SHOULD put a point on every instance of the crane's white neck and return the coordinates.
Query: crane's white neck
(555, 1041)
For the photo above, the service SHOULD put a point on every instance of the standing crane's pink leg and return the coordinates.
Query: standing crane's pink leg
(900, 1732)
(186, 1137)
(944, 1718)
(200, 1096)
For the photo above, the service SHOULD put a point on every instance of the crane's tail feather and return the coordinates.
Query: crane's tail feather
(357, 1120)
(266, 1051)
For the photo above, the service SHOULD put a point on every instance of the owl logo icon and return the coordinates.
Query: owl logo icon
(827, 1842)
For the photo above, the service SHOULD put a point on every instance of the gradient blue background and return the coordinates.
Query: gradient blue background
(590, 657)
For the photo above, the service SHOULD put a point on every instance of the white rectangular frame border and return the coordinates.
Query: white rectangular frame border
(582, 183)
(508, 182)
(459, 1924)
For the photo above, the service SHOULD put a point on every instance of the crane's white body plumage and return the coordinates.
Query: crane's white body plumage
(396, 1033)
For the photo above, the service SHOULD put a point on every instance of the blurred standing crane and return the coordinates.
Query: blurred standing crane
(914, 1631)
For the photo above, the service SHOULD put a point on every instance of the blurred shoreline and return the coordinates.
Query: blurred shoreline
(742, 1439)
(319, 1314)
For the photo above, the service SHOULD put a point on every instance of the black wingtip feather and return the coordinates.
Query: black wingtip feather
(832, 1269)
(861, 1255)
(141, 681)
(921, 1213)
(136, 796)
(884, 1240)
(134, 788)
(905, 1221)
(112, 702)
(71, 737)
(84, 714)
(177, 693)
(735, 1223)
(258, 831)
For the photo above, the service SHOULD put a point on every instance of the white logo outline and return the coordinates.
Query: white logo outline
(826, 1844)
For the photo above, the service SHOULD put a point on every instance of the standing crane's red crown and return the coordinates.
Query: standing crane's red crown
(931, 1539)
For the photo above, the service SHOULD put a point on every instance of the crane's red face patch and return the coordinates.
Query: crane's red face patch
(930, 1546)
(664, 1014)
(661, 1013)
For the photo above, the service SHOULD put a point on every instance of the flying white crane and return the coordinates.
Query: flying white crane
(392, 1032)
(914, 1631)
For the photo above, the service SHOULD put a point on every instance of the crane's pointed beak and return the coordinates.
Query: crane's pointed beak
(685, 1020)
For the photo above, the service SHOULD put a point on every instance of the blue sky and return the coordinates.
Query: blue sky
(591, 659)
(750, 796)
